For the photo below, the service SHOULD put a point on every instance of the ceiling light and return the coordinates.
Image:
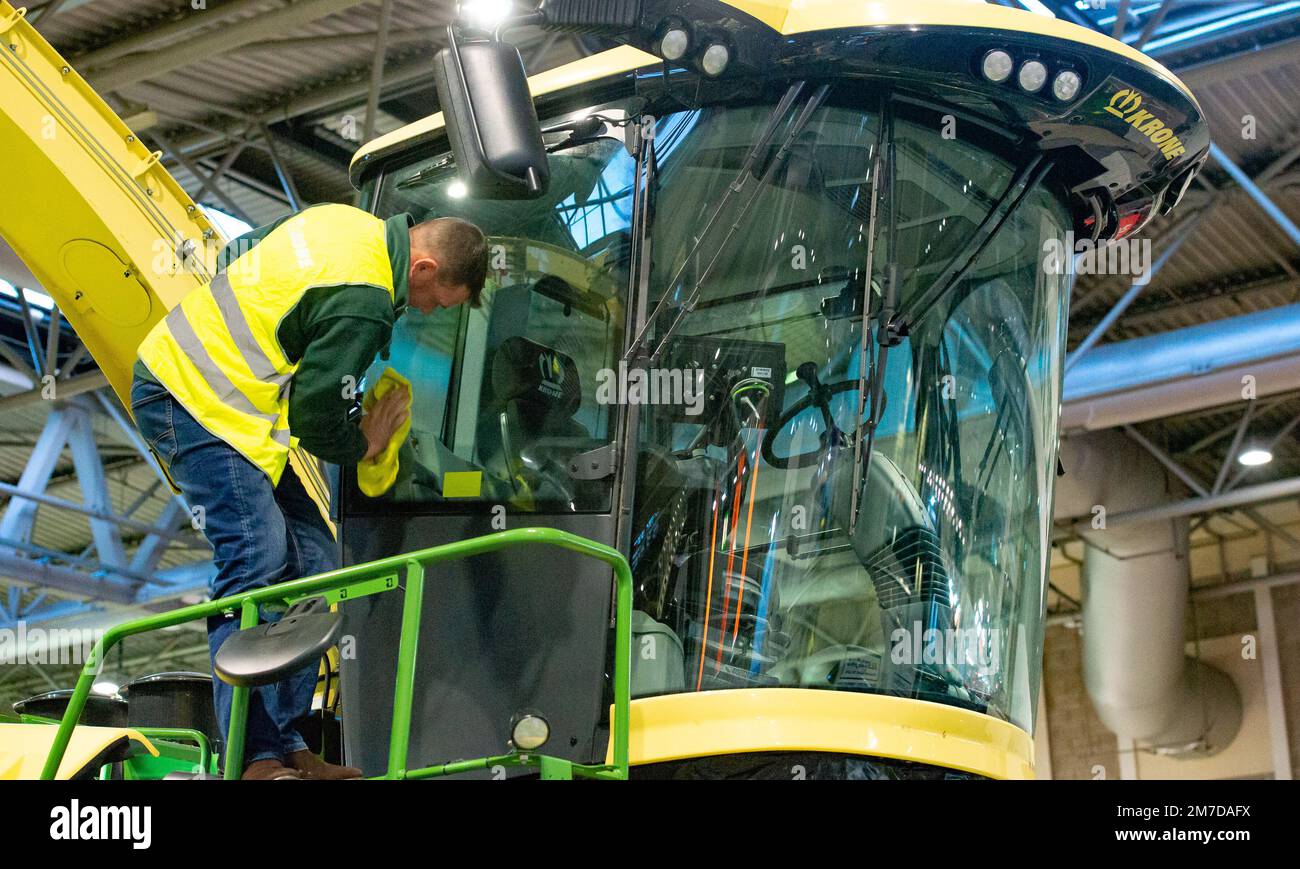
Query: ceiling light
(485, 14)
(457, 190)
(1038, 8)
(231, 227)
(1254, 457)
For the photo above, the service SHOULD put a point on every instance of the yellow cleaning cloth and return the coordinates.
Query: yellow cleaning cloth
(376, 476)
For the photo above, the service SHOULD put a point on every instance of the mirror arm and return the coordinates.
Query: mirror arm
(454, 48)
(536, 17)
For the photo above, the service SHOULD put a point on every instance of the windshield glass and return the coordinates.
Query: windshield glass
(778, 538)
(754, 554)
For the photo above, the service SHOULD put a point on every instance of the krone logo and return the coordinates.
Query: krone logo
(552, 374)
(1126, 105)
(1123, 102)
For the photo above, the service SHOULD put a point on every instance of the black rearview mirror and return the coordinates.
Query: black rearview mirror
(491, 122)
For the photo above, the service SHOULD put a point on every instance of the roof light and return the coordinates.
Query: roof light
(1065, 86)
(457, 190)
(1254, 457)
(1032, 77)
(997, 66)
(675, 42)
(715, 59)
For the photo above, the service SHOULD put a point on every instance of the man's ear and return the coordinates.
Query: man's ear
(423, 264)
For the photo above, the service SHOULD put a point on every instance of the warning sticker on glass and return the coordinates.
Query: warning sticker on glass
(462, 484)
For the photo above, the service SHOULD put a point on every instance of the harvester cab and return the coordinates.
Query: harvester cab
(768, 313)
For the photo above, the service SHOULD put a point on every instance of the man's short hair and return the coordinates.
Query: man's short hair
(461, 251)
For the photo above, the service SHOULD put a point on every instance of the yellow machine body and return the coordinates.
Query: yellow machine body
(24, 747)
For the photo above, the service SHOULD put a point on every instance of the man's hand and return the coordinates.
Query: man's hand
(383, 419)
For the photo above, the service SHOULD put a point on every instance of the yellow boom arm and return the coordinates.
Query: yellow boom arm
(87, 207)
(108, 232)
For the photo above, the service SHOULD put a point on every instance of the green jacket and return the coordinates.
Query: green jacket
(333, 333)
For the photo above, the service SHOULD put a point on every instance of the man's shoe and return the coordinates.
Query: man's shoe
(269, 770)
(312, 768)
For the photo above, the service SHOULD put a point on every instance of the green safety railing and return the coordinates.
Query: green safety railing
(372, 578)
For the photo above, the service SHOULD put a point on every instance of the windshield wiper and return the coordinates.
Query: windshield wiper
(760, 146)
(892, 327)
(1024, 183)
(871, 372)
(582, 130)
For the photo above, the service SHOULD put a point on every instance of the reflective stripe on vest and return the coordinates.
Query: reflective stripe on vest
(218, 351)
(216, 379)
(262, 367)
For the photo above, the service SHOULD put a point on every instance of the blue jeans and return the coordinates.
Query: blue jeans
(260, 535)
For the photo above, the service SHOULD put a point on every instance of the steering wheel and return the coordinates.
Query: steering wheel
(819, 396)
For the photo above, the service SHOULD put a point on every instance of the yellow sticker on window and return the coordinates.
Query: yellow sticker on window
(462, 484)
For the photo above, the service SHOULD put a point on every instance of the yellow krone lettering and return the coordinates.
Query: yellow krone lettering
(1126, 104)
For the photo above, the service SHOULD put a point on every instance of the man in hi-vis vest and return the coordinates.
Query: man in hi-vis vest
(265, 359)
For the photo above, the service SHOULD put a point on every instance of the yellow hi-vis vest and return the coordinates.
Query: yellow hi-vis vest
(217, 352)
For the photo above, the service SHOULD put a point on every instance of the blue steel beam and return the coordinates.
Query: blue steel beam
(1181, 234)
(1261, 198)
(58, 610)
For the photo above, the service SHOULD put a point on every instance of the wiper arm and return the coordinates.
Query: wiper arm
(891, 326)
(1024, 183)
(751, 160)
(871, 372)
(582, 130)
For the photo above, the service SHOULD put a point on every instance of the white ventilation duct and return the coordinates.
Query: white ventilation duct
(1136, 583)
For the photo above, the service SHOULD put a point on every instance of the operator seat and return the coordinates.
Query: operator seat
(898, 543)
(536, 391)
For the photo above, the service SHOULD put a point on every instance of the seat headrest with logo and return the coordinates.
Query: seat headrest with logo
(544, 380)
